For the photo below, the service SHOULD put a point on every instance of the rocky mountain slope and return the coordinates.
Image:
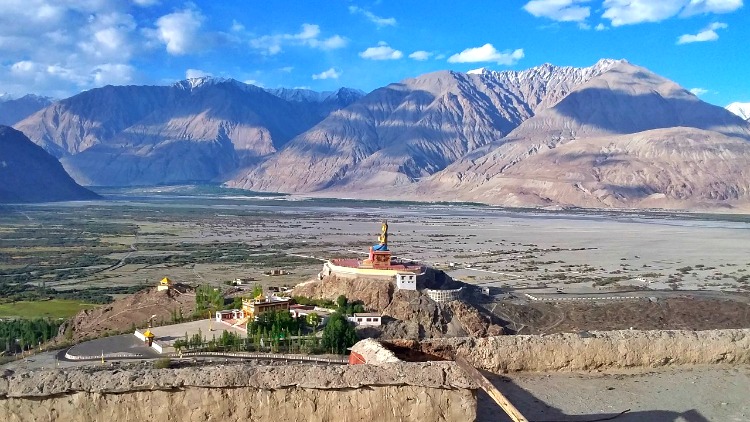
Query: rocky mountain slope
(29, 174)
(405, 131)
(13, 110)
(627, 138)
(199, 129)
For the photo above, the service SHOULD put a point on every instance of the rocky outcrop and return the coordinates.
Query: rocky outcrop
(228, 393)
(419, 317)
(596, 350)
(29, 174)
(410, 314)
(375, 294)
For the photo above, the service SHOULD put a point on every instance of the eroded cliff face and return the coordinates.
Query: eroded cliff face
(375, 294)
(241, 392)
(596, 350)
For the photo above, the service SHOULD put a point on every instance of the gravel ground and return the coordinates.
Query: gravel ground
(684, 394)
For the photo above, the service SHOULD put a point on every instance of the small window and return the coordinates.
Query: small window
(368, 320)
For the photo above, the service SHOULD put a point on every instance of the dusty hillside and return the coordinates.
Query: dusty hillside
(136, 309)
(669, 168)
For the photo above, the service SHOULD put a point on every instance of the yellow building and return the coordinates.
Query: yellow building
(254, 307)
(164, 284)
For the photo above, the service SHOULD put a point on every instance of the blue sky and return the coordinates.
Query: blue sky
(61, 47)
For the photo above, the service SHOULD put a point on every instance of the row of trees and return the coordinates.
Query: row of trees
(23, 334)
(262, 341)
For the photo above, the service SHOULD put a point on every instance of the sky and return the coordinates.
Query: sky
(61, 47)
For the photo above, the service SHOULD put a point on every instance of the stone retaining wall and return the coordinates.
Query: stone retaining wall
(237, 392)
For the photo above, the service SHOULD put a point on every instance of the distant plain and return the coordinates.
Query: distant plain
(202, 235)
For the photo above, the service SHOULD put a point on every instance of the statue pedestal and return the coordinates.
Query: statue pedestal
(378, 259)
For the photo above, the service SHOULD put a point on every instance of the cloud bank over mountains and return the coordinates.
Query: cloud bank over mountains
(60, 48)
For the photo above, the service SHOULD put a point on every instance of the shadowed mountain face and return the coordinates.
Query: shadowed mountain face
(196, 130)
(29, 174)
(15, 110)
(406, 131)
(628, 138)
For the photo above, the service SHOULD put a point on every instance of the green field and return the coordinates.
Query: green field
(55, 308)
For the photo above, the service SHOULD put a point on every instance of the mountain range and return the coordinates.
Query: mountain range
(29, 174)
(609, 135)
(13, 110)
(196, 130)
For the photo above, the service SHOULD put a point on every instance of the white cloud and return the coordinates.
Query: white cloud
(58, 48)
(180, 31)
(253, 82)
(196, 73)
(420, 55)
(287, 69)
(377, 20)
(628, 12)
(382, 52)
(487, 53)
(601, 27)
(707, 34)
(331, 43)
(696, 7)
(112, 74)
(237, 27)
(559, 10)
(309, 36)
(699, 91)
(145, 3)
(23, 67)
(328, 74)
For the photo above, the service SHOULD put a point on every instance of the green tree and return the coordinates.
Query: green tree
(257, 290)
(341, 302)
(338, 334)
(208, 298)
(313, 319)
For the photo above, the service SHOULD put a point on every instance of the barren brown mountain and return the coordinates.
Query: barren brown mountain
(405, 131)
(628, 138)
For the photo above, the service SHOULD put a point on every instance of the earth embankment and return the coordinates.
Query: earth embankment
(228, 393)
(594, 350)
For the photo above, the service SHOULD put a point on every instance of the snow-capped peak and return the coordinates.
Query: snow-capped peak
(310, 96)
(740, 109)
(6, 97)
(194, 83)
(480, 71)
